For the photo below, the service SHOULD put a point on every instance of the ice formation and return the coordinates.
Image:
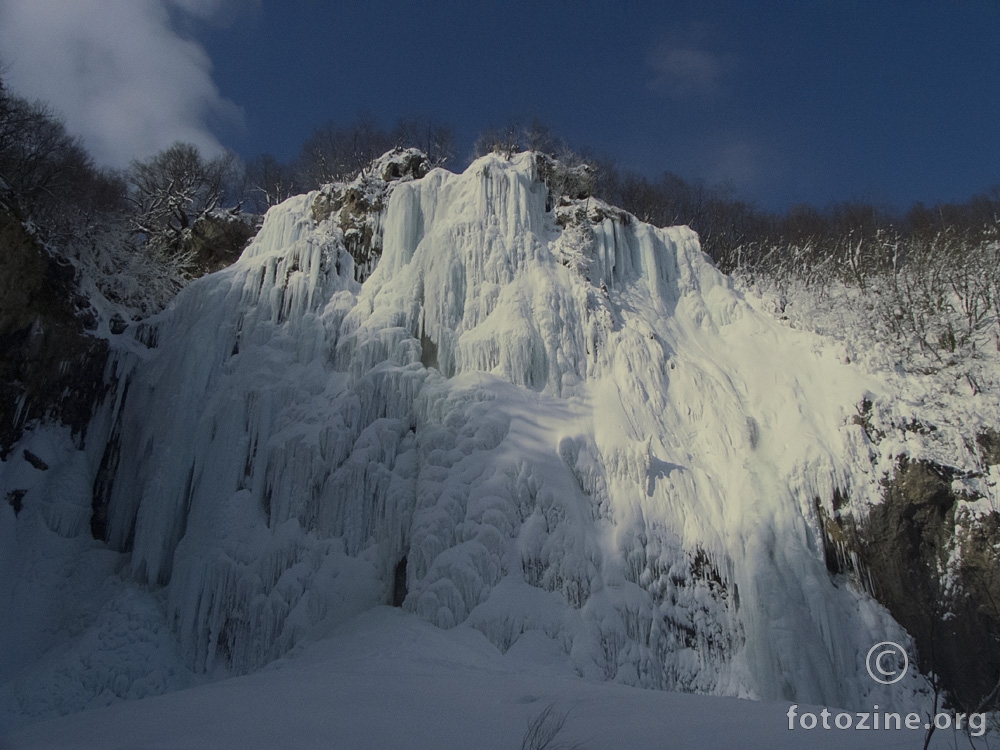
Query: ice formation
(566, 420)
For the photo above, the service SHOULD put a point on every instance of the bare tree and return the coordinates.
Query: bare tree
(544, 732)
(37, 155)
(46, 176)
(505, 141)
(433, 138)
(269, 182)
(174, 189)
(339, 153)
(539, 137)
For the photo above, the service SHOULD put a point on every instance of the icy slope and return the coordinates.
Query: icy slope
(565, 420)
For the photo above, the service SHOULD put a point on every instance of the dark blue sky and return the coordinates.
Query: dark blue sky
(790, 101)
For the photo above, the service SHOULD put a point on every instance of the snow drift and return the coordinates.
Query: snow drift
(554, 417)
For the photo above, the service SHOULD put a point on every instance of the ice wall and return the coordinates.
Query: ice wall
(566, 420)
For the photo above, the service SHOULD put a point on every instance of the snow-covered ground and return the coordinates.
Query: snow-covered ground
(388, 679)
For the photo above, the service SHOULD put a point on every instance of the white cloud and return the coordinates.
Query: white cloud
(205, 9)
(683, 68)
(117, 71)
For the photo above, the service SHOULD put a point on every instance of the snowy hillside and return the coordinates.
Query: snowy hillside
(538, 417)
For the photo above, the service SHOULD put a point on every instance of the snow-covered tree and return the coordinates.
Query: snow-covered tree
(175, 189)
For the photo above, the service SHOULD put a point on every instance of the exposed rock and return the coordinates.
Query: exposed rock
(989, 443)
(582, 211)
(399, 583)
(402, 163)
(35, 461)
(218, 239)
(15, 500)
(357, 206)
(564, 182)
(117, 324)
(52, 367)
(935, 569)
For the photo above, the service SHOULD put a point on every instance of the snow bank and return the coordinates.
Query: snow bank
(386, 681)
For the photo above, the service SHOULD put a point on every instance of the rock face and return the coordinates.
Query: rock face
(357, 208)
(51, 368)
(934, 566)
(217, 240)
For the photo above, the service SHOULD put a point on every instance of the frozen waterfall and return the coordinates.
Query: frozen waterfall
(566, 420)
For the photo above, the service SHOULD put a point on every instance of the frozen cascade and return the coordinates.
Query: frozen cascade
(567, 421)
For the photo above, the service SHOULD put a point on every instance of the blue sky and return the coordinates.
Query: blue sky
(789, 101)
